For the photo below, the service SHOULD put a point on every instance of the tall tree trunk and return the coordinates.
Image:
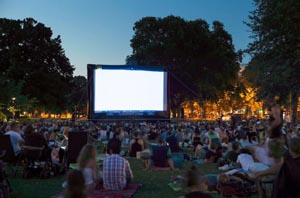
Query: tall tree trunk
(294, 106)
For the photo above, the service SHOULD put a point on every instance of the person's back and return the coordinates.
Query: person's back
(135, 147)
(15, 137)
(160, 155)
(75, 185)
(116, 170)
(173, 143)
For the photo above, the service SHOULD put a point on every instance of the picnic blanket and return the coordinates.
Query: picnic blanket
(102, 193)
(156, 168)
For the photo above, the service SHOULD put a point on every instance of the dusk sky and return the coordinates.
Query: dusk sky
(99, 31)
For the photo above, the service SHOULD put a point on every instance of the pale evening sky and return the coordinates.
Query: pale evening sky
(99, 31)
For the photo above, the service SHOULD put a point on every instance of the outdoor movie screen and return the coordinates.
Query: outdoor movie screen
(132, 89)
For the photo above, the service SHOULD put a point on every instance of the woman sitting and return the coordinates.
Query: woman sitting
(136, 144)
(87, 163)
(160, 155)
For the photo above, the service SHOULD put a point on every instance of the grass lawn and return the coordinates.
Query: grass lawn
(154, 183)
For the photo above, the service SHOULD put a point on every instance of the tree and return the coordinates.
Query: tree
(275, 64)
(31, 57)
(201, 63)
(78, 95)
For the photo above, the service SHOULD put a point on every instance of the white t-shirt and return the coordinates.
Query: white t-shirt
(245, 160)
(15, 139)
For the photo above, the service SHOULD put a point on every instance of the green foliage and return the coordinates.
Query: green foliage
(202, 62)
(34, 62)
(276, 47)
(78, 94)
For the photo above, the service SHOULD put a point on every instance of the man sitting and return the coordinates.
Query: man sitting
(116, 170)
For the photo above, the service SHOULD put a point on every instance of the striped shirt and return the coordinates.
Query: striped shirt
(116, 170)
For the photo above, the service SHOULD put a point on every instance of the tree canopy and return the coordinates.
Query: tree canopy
(202, 61)
(275, 50)
(33, 63)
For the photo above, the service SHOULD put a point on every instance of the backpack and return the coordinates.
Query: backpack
(237, 187)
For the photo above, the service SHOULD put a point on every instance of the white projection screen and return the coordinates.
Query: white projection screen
(125, 90)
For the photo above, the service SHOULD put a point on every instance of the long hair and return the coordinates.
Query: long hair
(87, 153)
(75, 185)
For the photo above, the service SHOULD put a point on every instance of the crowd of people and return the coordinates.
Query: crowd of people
(254, 148)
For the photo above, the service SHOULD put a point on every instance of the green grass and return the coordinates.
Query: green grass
(154, 183)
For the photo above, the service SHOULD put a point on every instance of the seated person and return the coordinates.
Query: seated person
(35, 139)
(15, 137)
(115, 138)
(116, 169)
(201, 150)
(63, 150)
(197, 187)
(136, 144)
(211, 155)
(160, 155)
(196, 138)
(288, 180)
(232, 154)
(172, 142)
(276, 151)
(87, 163)
(76, 185)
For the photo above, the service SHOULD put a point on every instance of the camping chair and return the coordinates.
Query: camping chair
(10, 158)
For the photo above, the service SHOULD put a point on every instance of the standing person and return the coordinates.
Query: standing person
(15, 137)
(117, 173)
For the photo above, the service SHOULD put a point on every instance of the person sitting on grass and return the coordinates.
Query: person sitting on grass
(173, 142)
(117, 173)
(232, 154)
(211, 155)
(197, 187)
(87, 163)
(76, 185)
(160, 155)
(136, 144)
